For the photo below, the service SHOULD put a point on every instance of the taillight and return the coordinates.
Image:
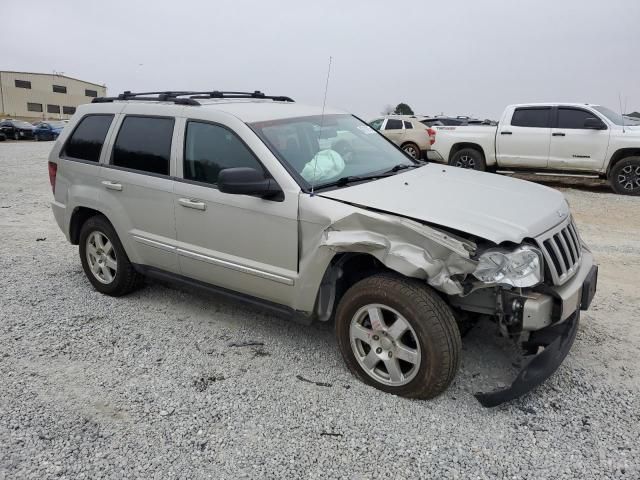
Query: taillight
(53, 170)
(432, 135)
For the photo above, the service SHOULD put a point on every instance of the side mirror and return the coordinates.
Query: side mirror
(248, 181)
(594, 124)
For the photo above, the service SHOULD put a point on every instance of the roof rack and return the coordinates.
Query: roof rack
(175, 96)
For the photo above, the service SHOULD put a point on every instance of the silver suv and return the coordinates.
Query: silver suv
(313, 214)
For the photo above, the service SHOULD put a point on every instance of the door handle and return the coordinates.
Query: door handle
(186, 202)
(506, 133)
(112, 185)
(558, 134)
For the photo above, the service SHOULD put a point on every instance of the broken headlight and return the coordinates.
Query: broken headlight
(519, 268)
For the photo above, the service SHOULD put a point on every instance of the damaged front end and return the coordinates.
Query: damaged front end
(542, 319)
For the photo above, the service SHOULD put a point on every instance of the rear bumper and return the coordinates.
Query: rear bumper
(59, 213)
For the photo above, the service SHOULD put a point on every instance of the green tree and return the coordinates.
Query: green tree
(403, 109)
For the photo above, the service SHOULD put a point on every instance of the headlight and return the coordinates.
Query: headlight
(520, 268)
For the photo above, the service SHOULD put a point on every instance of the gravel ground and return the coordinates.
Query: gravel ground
(150, 385)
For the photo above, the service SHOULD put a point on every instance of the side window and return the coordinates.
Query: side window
(144, 143)
(377, 123)
(407, 125)
(532, 117)
(210, 148)
(573, 118)
(86, 140)
(393, 124)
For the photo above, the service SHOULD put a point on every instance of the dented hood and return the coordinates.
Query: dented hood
(490, 206)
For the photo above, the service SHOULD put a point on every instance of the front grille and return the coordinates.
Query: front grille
(562, 251)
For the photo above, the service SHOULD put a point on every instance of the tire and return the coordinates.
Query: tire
(431, 336)
(122, 278)
(624, 177)
(412, 150)
(468, 158)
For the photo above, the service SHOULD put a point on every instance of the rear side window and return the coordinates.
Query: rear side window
(144, 143)
(377, 123)
(407, 125)
(532, 117)
(210, 148)
(393, 124)
(87, 139)
(573, 118)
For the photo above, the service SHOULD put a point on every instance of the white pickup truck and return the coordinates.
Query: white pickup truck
(556, 138)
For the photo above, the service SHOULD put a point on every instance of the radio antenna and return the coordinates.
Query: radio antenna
(621, 112)
(324, 102)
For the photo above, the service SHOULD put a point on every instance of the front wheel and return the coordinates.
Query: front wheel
(104, 260)
(397, 335)
(468, 158)
(625, 176)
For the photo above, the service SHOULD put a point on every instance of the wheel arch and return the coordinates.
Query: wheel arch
(620, 155)
(344, 270)
(78, 218)
(456, 147)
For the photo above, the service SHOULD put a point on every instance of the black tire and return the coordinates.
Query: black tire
(412, 150)
(624, 177)
(429, 317)
(126, 279)
(468, 158)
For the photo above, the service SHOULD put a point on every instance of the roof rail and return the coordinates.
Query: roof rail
(174, 96)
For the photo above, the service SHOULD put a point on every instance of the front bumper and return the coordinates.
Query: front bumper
(556, 341)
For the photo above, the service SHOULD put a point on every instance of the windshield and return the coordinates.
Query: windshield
(323, 150)
(616, 117)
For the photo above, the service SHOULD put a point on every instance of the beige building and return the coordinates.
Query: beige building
(39, 96)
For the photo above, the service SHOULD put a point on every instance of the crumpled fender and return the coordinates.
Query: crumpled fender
(406, 246)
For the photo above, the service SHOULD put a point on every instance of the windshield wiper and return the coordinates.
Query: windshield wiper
(342, 181)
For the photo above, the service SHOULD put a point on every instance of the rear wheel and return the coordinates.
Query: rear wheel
(104, 260)
(468, 158)
(412, 150)
(398, 336)
(625, 176)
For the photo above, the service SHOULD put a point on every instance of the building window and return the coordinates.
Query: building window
(34, 107)
(68, 110)
(53, 108)
(91, 93)
(22, 84)
(59, 89)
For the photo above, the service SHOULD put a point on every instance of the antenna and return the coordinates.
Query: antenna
(621, 113)
(324, 102)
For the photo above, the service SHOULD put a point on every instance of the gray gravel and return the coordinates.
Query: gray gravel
(159, 385)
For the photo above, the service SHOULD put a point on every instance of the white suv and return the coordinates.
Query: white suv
(407, 132)
(314, 215)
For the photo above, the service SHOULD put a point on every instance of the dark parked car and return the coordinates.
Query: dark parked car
(16, 129)
(48, 130)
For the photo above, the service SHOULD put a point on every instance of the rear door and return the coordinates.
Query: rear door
(574, 147)
(137, 188)
(393, 130)
(524, 141)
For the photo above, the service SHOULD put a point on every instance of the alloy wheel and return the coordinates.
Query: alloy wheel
(385, 345)
(466, 161)
(629, 177)
(411, 150)
(101, 257)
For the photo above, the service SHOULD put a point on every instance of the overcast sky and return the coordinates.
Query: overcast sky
(457, 57)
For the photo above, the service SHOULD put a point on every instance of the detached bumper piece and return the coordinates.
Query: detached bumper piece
(557, 341)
